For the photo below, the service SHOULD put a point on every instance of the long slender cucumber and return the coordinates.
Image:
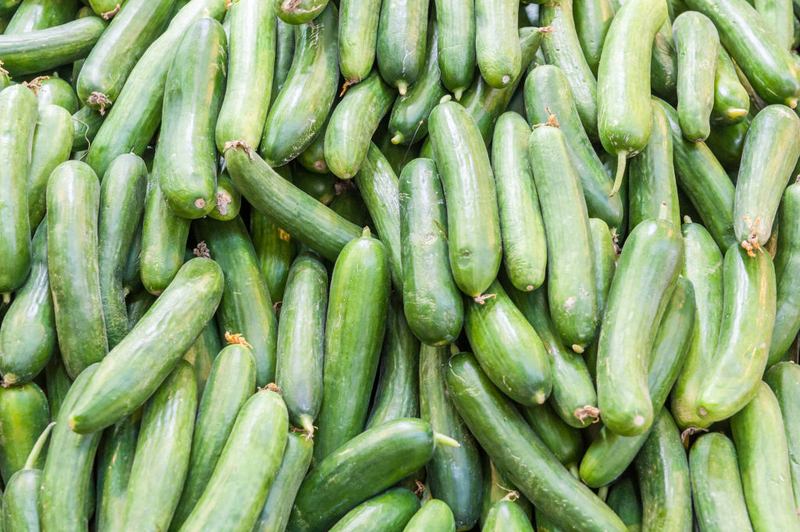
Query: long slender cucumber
(52, 143)
(563, 440)
(32, 15)
(592, 18)
(457, 55)
(402, 36)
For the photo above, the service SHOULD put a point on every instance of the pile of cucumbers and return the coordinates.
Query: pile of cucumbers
(399, 265)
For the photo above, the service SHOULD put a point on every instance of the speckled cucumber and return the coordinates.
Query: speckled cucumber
(496, 487)
(24, 414)
(434, 516)
(298, 11)
(592, 19)
(402, 32)
(358, 37)
(784, 380)
(392, 509)
(114, 463)
(505, 516)
(52, 143)
(229, 200)
(32, 15)
(731, 102)
(21, 497)
(563, 440)
(457, 58)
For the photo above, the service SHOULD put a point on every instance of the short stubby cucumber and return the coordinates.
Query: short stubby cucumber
(496, 44)
(434, 516)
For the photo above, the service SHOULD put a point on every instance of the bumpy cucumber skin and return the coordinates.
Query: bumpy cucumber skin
(434, 516)
(784, 380)
(457, 56)
(497, 50)
(34, 15)
(114, 463)
(402, 35)
(505, 516)
(731, 102)
(73, 200)
(358, 37)
(495, 488)
(392, 509)
(592, 18)
(52, 143)
(563, 440)
(302, 12)
(24, 414)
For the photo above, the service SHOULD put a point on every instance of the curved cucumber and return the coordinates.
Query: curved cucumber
(592, 18)
(24, 414)
(563, 440)
(731, 102)
(298, 11)
(457, 55)
(392, 509)
(32, 15)
(497, 48)
(784, 380)
(52, 143)
(434, 516)
(402, 35)
(505, 516)
(358, 37)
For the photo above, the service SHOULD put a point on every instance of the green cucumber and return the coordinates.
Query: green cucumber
(52, 143)
(141, 362)
(787, 267)
(24, 414)
(519, 453)
(454, 473)
(731, 102)
(138, 305)
(563, 440)
(299, 11)
(275, 251)
(354, 330)
(402, 31)
(54, 91)
(313, 157)
(58, 384)
(498, 51)
(35, 15)
(167, 426)
(623, 498)
(495, 488)
(104, 8)
(358, 38)
(716, 485)
(350, 206)
(732, 378)
(397, 155)
(760, 439)
(114, 463)
(432, 302)
(473, 222)
(779, 16)
(229, 201)
(521, 226)
(28, 330)
(434, 516)
(18, 109)
(321, 187)
(664, 64)
(605, 261)
(505, 516)
(784, 380)
(21, 497)
(246, 306)
(544, 523)
(727, 143)
(392, 509)
(73, 201)
(592, 19)
(301, 341)
(457, 56)
(86, 122)
(251, 48)
(284, 52)
(770, 152)
(697, 42)
(43, 50)
(202, 354)
(299, 111)
(571, 288)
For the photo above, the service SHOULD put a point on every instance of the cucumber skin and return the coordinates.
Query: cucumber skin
(495, 488)
(321, 187)
(592, 19)
(141, 362)
(86, 122)
(473, 223)
(41, 14)
(55, 91)
(393, 509)
(305, 11)
(114, 463)
(21, 501)
(402, 31)
(246, 307)
(505, 516)
(729, 94)
(784, 380)
(19, 111)
(727, 143)
(73, 198)
(716, 485)
(24, 414)
(358, 37)
(457, 59)
(284, 53)
(58, 384)
(350, 205)
(623, 498)
(498, 54)
(434, 516)
(229, 201)
(563, 440)
(275, 251)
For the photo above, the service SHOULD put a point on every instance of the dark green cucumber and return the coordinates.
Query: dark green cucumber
(67, 474)
(136, 113)
(138, 305)
(114, 464)
(54, 91)
(21, 497)
(770, 152)
(362, 467)
(301, 341)
(434, 516)
(760, 439)
(496, 487)
(354, 330)
(52, 143)
(104, 8)
(505, 516)
(731, 102)
(321, 187)
(86, 122)
(716, 486)
(623, 498)
(571, 288)
(141, 362)
(202, 353)
(299, 111)
(454, 473)
(392, 509)
(408, 122)
(350, 206)
(784, 380)
(544, 523)
(402, 35)
(663, 474)
(246, 306)
(473, 220)
(24, 414)
(284, 52)
(275, 251)
(231, 382)
(73, 201)
(432, 302)
(167, 425)
(58, 384)
(298, 11)
(740, 358)
(592, 19)
(396, 154)
(664, 64)
(519, 453)
(43, 50)
(229, 201)
(727, 143)
(521, 226)
(498, 52)
(251, 48)
(358, 38)
(548, 88)
(563, 440)
(35, 15)
(457, 56)
(18, 109)
(112, 59)
(28, 330)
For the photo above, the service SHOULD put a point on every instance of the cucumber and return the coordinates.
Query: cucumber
(21, 497)
(121, 207)
(138, 305)
(624, 117)
(392, 509)
(32, 15)
(321, 187)
(605, 261)
(141, 362)
(357, 306)
(571, 288)
(202, 354)
(112, 59)
(784, 380)
(770, 152)
(114, 463)
(58, 384)
(246, 306)
(663, 474)
(28, 330)
(251, 48)
(454, 473)
(105, 8)
(408, 122)
(697, 42)
(457, 56)
(547, 87)
(275, 252)
(505, 516)
(350, 206)
(284, 52)
(167, 425)
(758, 433)
(432, 302)
(434, 516)
(358, 38)
(563, 440)
(313, 157)
(67, 473)
(402, 31)
(18, 109)
(54, 91)
(498, 51)
(299, 111)
(52, 143)
(755, 47)
(592, 19)
(301, 341)
(136, 113)
(24, 414)
(519, 453)
(43, 50)
(352, 124)
(732, 378)
(731, 102)
(522, 229)
(299, 11)
(562, 48)
(716, 486)
(73, 200)
(623, 498)
(473, 223)
(495, 488)
(230, 384)
(787, 309)
(779, 16)
(664, 64)
(544, 523)
(229, 201)
(727, 144)
(86, 122)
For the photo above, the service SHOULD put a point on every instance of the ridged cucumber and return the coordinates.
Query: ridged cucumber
(402, 35)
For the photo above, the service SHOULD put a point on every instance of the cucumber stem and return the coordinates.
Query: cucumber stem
(397, 139)
(38, 446)
(6, 297)
(603, 493)
(402, 87)
(441, 439)
(736, 112)
(366, 232)
(307, 422)
(622, 160)
(457, 94)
